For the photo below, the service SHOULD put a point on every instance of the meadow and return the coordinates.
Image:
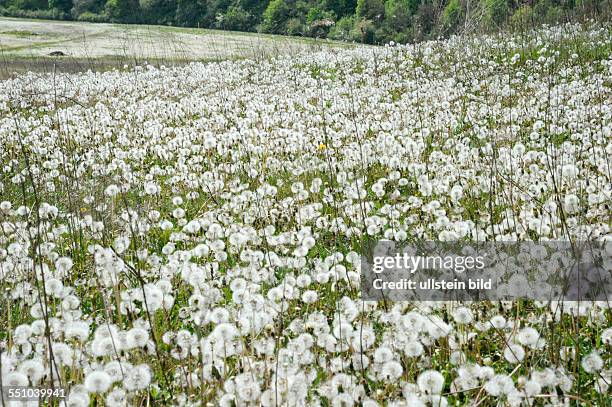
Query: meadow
(28, 45)
(192, 235)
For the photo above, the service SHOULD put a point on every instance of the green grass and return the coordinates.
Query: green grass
(19, 33)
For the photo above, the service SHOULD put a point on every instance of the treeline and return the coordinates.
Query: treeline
(368, 21)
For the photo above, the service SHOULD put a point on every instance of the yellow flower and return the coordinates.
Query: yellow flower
(322, 146)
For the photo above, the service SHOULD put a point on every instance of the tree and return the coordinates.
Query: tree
(397, 14)
(189, 13)
(214, 8)
(365, 30)
(548, 11)
(370, 9)
(341, 8)
(497, 11)
(522, 18)
(319, 22)
(28, 4)
(453, 15)
(275, 17)
(423, 21)
(125, 11)
(343, 29)
(61, 5)
(86, 6)
(237, 19)
(254, 7)
(157, 11)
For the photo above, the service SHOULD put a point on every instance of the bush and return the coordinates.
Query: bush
(92, 17)
(452, 16)
(497, 11)
(316, 14)
(594, 8)
(370, 9)
(522, 18)
(31, 5)
(61, 5)
(364, 31)
(320, 28)
(397, 14)
(319, 22)
(124, 11)
(401, 37)
(85, 6)
(423, 21)
(275, 16)
(343, 29)
(294, 27)
(237, 19)
(53, 14)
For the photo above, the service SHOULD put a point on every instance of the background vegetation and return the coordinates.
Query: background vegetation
(367, 21)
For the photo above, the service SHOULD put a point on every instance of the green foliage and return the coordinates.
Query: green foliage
(369, 21)
(341, 8)
(523, 17)
(316, 14)
(27, 4)
(423, 21)
(319, 22)
(154, 11)
(294, 26)
(275, 16)
(88, 8)
(237, 19)
(497, 11)
(397, 14)
(91, 17)
(343, 29)
(365, 30)
(453, 15)
(548, 11)
(370, 9)
(122, 10)
(188, 13)
(62, 5)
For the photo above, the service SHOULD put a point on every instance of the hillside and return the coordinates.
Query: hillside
(195, 235)
(30, 45)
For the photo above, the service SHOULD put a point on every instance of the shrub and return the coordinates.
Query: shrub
(452, 16)
(92, 17)
(237, 19)
(497, 11)
(294, 26)
(364, 31)
(522, 18)
(274, 17)
(343, 29)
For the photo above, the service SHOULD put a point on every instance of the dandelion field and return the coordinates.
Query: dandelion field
(191, 236)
